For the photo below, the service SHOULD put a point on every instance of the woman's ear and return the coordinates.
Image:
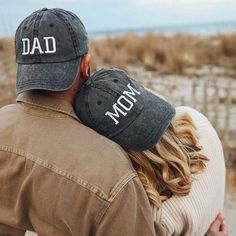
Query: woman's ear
(85, 67)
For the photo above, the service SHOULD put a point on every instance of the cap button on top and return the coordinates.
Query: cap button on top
(44, 9)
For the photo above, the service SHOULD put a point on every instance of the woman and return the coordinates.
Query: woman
(176, 152)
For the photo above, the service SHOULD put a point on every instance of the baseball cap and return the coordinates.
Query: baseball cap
(118, 107)
(49, 45)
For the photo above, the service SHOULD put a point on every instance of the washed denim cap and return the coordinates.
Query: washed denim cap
(49, 45)
(118, 107)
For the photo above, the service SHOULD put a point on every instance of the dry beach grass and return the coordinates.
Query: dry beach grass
(165, 54)
(7, 72)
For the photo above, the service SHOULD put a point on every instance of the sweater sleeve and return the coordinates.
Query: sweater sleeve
(193, 214)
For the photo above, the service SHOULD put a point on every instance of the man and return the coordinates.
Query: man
(57, 176)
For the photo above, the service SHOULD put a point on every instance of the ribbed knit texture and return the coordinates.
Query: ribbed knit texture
(192, 215)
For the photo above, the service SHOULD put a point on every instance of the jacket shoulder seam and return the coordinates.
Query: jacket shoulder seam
(125, 178)
(120, 185)
(116, 191)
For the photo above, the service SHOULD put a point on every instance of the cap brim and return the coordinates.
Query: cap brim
(46, 76)
(149, 126)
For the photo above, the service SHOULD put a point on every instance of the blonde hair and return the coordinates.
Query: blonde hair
(167, 169)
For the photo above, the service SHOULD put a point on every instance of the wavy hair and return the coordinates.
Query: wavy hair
(167, 169)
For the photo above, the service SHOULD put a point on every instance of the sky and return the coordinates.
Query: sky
(102, 15)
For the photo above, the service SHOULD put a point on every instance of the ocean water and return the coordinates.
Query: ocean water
(197, 29)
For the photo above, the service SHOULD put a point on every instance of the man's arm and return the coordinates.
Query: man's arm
(128, 214)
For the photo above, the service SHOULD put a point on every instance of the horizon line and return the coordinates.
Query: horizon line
(151, 28)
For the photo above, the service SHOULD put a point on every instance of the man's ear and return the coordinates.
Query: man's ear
(84, 67)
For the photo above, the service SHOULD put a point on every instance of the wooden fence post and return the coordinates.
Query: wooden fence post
(194, 87)
(216, 104)
(205, 100)
(227, 113)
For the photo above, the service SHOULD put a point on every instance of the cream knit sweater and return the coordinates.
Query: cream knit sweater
(192, 215)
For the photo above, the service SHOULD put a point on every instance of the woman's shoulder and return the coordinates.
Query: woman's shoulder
(200, 120)
(195, 114)
(208, 134)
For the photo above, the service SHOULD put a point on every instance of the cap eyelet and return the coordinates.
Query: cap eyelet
(115, 80)
(51, 25)
(99, 103)
(25, 27)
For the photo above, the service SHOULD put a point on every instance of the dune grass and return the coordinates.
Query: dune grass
(165, 54)
(7, 71)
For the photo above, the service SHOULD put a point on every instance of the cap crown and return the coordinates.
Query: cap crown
(50, 35)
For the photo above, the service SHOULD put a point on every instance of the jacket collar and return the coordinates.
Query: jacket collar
(45, 101)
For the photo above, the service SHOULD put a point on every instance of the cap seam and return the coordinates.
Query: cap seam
(107, 90)
(73, 15)
(69, 29)
(36, 29)
(95, 123)
(90, 115)
(18, 28)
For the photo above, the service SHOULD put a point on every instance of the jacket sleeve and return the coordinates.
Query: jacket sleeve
(129, 213)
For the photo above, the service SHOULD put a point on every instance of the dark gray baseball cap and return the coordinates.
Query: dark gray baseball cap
(49, 45)
(118, 107)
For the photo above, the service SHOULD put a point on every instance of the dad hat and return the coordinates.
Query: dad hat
(49, 45)
(118, 107)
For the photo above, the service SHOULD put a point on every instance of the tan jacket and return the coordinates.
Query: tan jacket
(58, 177)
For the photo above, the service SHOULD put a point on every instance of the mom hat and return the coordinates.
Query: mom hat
(49, 45)
(118, 107)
